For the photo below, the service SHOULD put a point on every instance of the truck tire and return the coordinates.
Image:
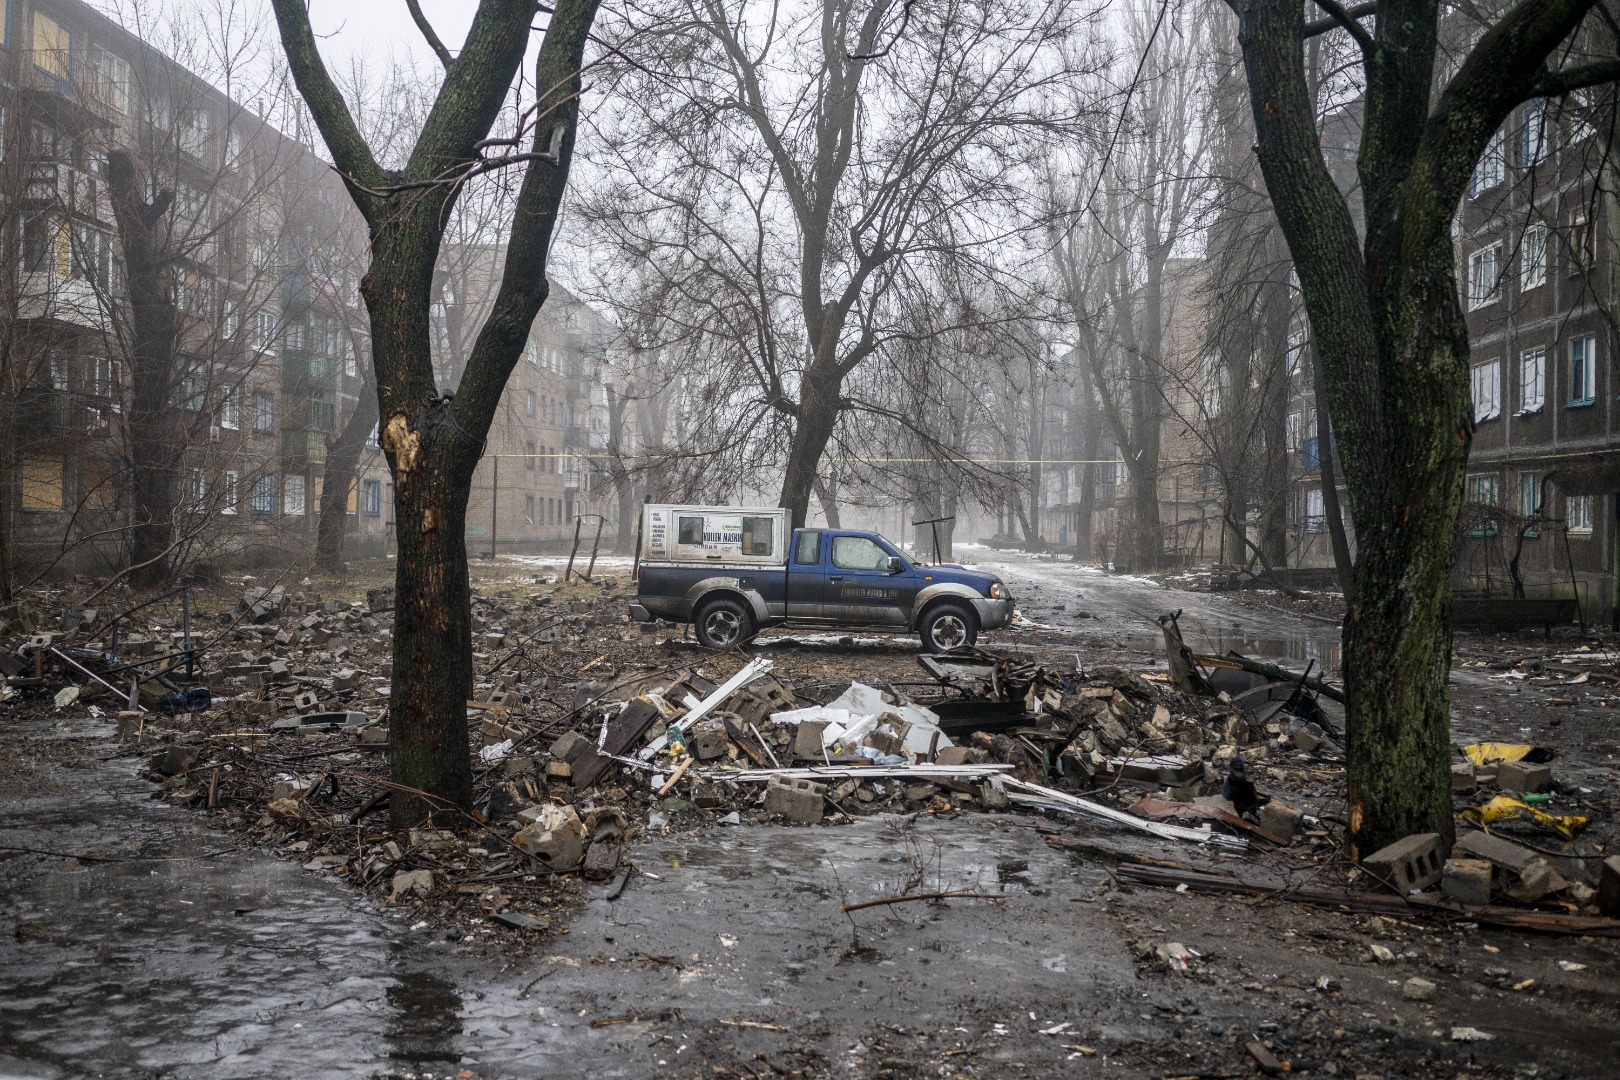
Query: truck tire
(722, 623)
(949, 626)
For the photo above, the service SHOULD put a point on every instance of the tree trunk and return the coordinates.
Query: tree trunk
(1343, 566)
(816, 416)
(342, 465)
(829, 502)
(1272, 436)
(156, 442)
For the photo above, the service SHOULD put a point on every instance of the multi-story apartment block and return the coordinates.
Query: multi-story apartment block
(259, 251)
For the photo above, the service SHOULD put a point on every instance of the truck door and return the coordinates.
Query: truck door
(862, 589)
(805, 583)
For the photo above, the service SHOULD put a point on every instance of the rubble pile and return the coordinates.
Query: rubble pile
(273, 715)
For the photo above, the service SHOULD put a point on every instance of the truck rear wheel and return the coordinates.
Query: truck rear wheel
(949, 626)
(722, 623)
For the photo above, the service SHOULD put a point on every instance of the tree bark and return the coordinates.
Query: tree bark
(342, 467)
(816, 416)
(156, 442)
(826, 496)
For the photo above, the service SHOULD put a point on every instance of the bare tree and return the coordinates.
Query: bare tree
(1392, 339)
(433, 442)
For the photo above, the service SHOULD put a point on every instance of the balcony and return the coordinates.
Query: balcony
(46, 295)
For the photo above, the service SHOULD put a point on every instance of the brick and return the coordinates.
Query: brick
(796, 800)
(807, 740)
(1523, 777)
(1281, 819)
(1608, 891)
(1467, 881)
(1410, 864)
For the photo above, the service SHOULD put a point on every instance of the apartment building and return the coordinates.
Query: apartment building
(260, 252)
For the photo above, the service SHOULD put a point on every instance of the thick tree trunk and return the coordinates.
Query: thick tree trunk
(156, 438)
(1272, 434)
(342, 465)
(1343, 565)
(829, 502)
(815, 418)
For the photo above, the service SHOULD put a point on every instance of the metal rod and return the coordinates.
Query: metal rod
(575, 551)
(595, 544)
(93, 675)
(494, 500)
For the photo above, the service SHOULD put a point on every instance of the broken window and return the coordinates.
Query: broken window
(41, 483)
(758, 535)
(690, 531)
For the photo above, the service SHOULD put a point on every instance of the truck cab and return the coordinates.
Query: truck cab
(732, 572)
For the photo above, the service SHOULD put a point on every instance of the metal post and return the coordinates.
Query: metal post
(575, 551)
(494, 499)
(185, 617)
(595, 544)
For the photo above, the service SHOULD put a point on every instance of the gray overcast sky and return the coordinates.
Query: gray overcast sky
(378, 28)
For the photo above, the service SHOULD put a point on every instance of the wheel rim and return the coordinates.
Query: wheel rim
(950, 631)
(722, 626)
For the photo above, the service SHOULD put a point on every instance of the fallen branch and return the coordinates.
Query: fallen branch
(1275, 673)
(922, 896)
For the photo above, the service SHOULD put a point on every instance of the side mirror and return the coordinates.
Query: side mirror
(895, 566)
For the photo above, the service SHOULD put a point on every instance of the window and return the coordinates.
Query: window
(528, 509)
(858, 553)
(1577, 109)
(41, 483)
(262, 332)
(1296, 349)
(92, 255)
(192, 393)
(1482, 489)
(371, 498)
(1529, 494)
(1487, 387)
(529, 455)
(1315, 515)
(227, 495)
(351, 366)
(1492, 165)
(1532, 381)
(230, 409)
(295, 335)
(323, 414)
(1583, 371)
(264, 410)
(53, 46)
(292, 496)
(530, 403)
(45, 243)
(807, 552)
(263, 498)
(228, 320)
(1582, 242)
(1533, 135)
(1578, 513)
(109, 76)
(59, 373)
(758, 535)
(1296, 422)
(193, 134)
(1533, 258)
(689, 531)
(1484, 276)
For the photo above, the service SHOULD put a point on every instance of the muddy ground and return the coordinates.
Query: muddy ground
(181, 949)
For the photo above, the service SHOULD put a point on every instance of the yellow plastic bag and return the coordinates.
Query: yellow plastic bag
(1507, 808)
(1496, 753)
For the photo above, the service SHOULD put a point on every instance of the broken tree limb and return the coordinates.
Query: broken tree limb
(922, 896)
(1273, 672)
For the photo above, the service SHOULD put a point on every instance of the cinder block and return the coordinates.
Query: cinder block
(710, 745)
(1467, 881)
(1495, 850)
(569, 745)
(796, 800)
(1410, 864)
(1280, 819)
(1523, 777)
(807, 740)
(1608, 892)
(1462, 780)
(1309, 737)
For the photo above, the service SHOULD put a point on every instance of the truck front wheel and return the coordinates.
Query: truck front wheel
(723, 623)
(949, 626)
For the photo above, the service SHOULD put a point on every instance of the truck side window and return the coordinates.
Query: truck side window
(758, 535)
(809, 549)
(691, 531)
(858, 553)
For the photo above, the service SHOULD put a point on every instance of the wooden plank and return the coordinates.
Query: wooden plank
(623, 732)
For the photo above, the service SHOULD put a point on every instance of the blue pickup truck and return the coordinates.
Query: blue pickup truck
(733, 571)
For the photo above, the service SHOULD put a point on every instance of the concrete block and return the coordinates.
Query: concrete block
(1523, 777)
(709, 745)
(1501, 853)
(559, 770)
(1280, 819)
(1309, 737)
(174, 760)
(1410, 864)
(807, 740)
(796, 800)
(920, 792)
(569, 746)
(556, 839)
(953, 755)
(1467, 881)
(380, 599)
(1608, 890)
(1535, 880)
(413, 882)
(1462, 780)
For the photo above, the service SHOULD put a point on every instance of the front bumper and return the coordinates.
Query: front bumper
(993, 614)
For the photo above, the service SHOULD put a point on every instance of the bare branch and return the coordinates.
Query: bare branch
(427, 33)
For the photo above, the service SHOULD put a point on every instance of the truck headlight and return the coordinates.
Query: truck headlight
(997, 592)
